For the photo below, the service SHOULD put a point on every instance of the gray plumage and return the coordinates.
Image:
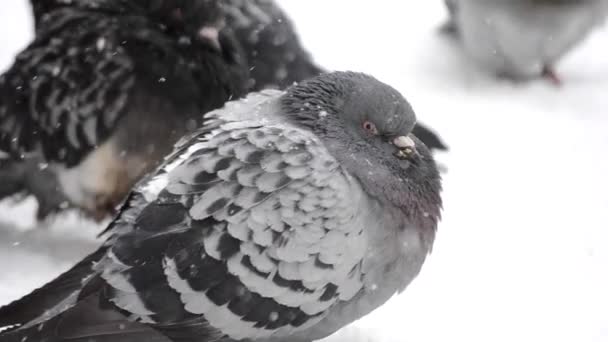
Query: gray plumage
(286, 217)
(522, 39)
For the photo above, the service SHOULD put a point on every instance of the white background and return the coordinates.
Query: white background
(521, 253)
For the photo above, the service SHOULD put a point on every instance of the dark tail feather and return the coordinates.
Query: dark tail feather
(35, 304)
(429, 138)
(88, 320)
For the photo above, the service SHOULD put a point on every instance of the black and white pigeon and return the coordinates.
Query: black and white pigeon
(104, 91)
(285, 217)
(276, 57)
(523, 39)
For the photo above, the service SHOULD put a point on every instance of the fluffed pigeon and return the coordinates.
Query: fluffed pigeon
(275, 55)
(523, 39)
(104, 91)
(284, 218)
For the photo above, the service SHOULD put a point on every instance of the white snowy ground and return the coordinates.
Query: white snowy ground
(521, 253)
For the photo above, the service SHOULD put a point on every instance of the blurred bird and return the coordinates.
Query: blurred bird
(275, 55)
(104, 91)
(523, 39)
(284, 218)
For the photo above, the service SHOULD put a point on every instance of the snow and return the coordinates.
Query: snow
(520, 254)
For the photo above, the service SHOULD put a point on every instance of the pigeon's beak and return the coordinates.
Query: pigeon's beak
(406, 147)
(212, 35)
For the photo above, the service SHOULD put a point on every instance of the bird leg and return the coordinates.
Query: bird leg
(549, 73)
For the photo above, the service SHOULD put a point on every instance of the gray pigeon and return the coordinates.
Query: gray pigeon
(287, 216)
(522, 39)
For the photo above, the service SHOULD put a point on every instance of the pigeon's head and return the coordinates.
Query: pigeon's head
(367, 125)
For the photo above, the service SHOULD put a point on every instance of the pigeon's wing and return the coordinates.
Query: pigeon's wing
(249, 230)
(66, 91)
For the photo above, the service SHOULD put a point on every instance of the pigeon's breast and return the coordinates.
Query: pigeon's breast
(394, 257)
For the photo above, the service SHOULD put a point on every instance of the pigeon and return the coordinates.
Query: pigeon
(523, 39)
(103, 92)
(284, 217)
(275, 55)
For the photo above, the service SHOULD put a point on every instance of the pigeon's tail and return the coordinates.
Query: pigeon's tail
(30, 176)
(74, 308)
(429, 138)
(88, 320)
(51, 298)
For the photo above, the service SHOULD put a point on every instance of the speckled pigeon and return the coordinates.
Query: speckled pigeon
(285, 217)
(523, 39)
(275, 55)
(103, 92)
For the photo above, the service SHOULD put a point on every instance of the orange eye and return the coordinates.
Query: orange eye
(369, 127)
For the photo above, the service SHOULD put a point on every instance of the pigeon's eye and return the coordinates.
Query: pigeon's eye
(369, 127)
